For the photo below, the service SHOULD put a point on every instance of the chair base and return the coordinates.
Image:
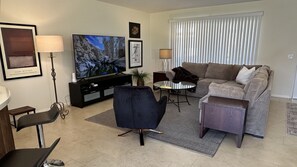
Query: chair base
(154, 131)
(53, 163)
(48, 162)
(140, 131)
(63, 111)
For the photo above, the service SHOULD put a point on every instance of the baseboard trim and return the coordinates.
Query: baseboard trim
(280, 96)
(257, 136)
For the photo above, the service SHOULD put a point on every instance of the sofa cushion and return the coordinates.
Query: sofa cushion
(224, 90)
(234, 83)
(219, 71)
(234, 72)
(203, 84)
(244, 75)
(257, 85)
(198, 69)
(262, 72)
(251, 66)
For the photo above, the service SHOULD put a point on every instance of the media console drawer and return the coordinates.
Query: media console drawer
(89, 91)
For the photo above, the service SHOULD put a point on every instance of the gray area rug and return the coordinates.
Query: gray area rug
(292, 118)
(179, 128)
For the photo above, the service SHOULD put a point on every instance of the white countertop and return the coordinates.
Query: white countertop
(4, 97)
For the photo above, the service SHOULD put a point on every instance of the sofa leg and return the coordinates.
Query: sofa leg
(141, 137)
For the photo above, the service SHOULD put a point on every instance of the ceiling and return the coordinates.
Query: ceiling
(153, 6)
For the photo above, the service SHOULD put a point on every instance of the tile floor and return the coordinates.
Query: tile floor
(85, 144)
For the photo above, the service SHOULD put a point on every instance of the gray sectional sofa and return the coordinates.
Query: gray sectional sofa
(220, 80)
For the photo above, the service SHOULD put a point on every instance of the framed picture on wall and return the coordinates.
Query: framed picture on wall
(19, 57)
(134, 30)
(135, 54)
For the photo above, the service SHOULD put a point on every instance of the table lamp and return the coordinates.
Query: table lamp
(165, 54)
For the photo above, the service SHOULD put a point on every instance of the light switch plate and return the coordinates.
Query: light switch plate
(291, 55)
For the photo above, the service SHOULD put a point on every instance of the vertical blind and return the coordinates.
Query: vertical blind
(228, 39)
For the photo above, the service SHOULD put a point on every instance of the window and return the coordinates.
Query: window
(228, 39)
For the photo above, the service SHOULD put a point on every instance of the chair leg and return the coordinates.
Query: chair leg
(122, 134)
(47, 163)
(154, 131)
(141, 137)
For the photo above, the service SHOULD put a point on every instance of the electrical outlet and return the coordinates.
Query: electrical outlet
(291, 55)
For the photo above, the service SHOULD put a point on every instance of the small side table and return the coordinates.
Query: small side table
(224, 114)
(172, 86)
(21, 110)
(159, 76)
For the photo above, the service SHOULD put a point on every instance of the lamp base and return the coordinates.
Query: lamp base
(165, 65)
(63, 111)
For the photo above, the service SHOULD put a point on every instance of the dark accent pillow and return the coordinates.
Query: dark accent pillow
(182, 74)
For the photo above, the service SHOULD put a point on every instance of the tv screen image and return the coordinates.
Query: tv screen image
(96, 55)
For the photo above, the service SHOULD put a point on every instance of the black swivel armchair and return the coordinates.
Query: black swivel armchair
(136, 107)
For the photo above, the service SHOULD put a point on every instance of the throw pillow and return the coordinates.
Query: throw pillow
(244, 75)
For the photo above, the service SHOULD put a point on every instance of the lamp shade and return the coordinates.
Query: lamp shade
(49, 43)
(165, 53)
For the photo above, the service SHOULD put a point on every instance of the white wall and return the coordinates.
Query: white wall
(278, 38)
(65, 18)
(278, 35)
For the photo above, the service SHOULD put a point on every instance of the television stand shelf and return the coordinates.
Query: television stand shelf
(89, 91)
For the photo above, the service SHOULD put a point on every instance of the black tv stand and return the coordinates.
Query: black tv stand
(80, 80)
(92, 90)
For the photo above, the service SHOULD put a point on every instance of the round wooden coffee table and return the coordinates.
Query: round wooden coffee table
(175, 87)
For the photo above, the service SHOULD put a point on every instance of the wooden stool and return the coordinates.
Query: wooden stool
(224, 114)
(21, 110)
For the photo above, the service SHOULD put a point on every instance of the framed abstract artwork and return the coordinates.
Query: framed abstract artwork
(134, 30)
(135, 53)
(19, 57)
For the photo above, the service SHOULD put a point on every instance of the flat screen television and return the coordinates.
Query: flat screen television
(96, 55)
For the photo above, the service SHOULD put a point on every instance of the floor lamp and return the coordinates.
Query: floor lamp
(294, 82)
(52, 44)
(165, 54)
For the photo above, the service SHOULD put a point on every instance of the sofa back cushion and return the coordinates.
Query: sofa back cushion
(234, 72)
(197, 69)
(220, 71)
(257, 84)
(251, 66)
